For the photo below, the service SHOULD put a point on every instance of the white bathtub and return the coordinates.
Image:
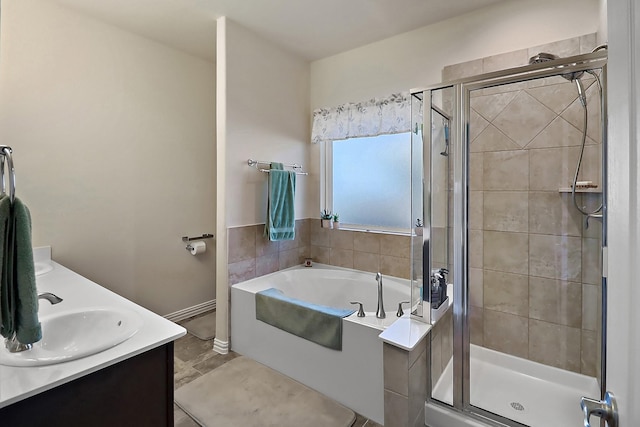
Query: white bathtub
(352, 376)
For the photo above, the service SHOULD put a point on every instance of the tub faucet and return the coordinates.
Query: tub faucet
(52, 298)
(380, 314)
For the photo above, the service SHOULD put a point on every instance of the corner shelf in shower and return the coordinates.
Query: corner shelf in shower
(579, 190)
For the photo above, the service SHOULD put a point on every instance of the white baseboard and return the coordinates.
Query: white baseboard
(221, 347)
(191, 311)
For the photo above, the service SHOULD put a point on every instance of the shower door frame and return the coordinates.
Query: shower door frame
(460, 143)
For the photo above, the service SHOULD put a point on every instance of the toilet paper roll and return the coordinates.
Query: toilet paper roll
(197, 248)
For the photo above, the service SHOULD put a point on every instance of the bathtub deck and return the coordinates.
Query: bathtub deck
(527, 392)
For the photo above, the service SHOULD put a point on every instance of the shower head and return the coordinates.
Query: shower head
(546, 57)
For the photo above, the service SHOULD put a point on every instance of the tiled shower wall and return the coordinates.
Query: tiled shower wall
(251, 254)
(534, 268)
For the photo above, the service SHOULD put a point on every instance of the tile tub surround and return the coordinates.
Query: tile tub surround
(252, 255)
(534, 273)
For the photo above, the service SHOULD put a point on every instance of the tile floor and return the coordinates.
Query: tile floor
(194, 357)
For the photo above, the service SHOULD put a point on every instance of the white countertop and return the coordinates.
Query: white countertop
(18, 383)
(405, 332)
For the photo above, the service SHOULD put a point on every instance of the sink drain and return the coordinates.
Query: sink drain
(517, 406)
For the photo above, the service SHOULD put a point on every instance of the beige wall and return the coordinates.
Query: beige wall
(113, 137)
(267, 118)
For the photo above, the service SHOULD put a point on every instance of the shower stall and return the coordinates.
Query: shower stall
(508, 182)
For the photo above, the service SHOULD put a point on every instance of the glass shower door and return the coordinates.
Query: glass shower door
(534, 268)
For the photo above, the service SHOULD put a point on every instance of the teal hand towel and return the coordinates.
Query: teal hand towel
(7, 299)
(27, 325)
(281, 217)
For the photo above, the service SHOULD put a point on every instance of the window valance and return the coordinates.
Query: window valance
(377, 116)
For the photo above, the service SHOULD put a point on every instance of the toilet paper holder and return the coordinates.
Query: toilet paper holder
(191, 239)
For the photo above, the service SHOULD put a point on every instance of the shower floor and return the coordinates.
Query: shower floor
(524, 391)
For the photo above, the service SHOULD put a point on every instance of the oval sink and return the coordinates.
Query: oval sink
(75, 334)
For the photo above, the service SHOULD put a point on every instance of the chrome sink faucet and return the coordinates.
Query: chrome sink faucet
(380, 314)
(52, 298)
(12, 344)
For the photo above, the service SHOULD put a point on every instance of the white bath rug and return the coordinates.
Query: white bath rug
(203, 327)
(245, 393)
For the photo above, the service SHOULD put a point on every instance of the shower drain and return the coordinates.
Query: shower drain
(517, 406)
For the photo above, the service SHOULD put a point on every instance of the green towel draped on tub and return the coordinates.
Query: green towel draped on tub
(18, 293)
(281, 217)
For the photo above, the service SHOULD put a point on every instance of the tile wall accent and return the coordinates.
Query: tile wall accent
(251, 254)
(405, 385)
(535, 270)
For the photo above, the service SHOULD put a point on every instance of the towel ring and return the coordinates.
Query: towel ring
(7, 154)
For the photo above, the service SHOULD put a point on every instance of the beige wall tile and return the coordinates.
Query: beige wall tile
(524, 118)
(396, 245)
(491, 139)
(590, 305)
(589, 358)
(504, 61)
(506, 292)
(396, 410)
(320, 236)
(554, 345)
(342, 239)
(555, 301)
(588, 42)
(242, 243)
(489, 106)
(506, 252)
(396, 369)
(591, 261)
(436, 358)
(241, 271)
(552, 168)
(555, 257)
(342, 257)
(476, 173)
(476, 207)
(366, 261)
(506, 333)
(439, 245)
(476, 325)
(562, 48)
(290, 258)
(267, 264)
(477, 124)
(367, 242)
(475, 248)
(574, 114)
(559, 133)
(447, 338)
(418, 387)
(506, 170)
(476, 287)
(506, 211)
(591, 202)
(464, 69)
(551, 212)
(395, 266)
(264, 246)
(557, 97)
(321, 254)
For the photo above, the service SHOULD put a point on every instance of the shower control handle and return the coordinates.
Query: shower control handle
(606, 409)
(360, 309)
(400, 312)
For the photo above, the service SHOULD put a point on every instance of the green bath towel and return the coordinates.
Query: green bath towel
(7, 298)
(281, 217)
(27, 326)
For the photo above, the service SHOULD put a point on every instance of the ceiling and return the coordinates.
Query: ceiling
(312, 29)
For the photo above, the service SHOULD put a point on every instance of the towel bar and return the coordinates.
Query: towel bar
(255, 163)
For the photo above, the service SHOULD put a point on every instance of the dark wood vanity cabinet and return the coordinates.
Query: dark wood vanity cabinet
(135, 392)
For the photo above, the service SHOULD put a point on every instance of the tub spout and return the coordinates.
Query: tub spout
(380, 314)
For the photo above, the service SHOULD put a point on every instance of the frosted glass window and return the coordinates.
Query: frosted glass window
(372, 180)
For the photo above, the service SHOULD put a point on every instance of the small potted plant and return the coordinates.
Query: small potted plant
(326, 216)
(418, 227)
(336, 220)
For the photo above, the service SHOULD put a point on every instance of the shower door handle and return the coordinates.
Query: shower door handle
(606, 409)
